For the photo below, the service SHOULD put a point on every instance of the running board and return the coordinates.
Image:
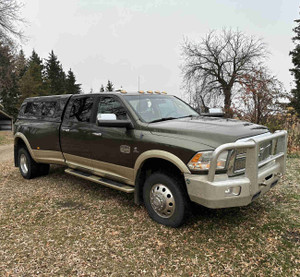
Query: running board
(100, 180)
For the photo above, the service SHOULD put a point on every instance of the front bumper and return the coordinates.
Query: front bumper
(210, 190)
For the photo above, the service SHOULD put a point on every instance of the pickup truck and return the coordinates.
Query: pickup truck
(153, 145)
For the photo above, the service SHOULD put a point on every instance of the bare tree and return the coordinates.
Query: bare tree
(9, 20)
(218, 60)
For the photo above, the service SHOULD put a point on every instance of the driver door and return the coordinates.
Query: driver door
(112, 146)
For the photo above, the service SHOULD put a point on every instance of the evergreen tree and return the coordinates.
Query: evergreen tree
(21, 64)
(102, 88)
(296, 70)
(8, 80)
(55, 76)
(32, 82)
(109, 86)
(34, 58)
(71, 86)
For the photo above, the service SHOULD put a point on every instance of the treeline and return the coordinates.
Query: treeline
(108, 87)
(22, 77)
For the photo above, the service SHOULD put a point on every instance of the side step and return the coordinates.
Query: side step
(100, 180)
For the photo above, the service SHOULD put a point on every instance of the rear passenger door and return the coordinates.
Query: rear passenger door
(76, 131)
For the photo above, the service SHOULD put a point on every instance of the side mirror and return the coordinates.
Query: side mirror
(106, 116)
(110, 120)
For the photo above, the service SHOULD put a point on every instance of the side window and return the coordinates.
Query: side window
(33, 109)
(81, 109)
(22, 110)
(112, 105)
(48, 109)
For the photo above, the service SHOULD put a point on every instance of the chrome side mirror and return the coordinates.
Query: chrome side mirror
(106, 116)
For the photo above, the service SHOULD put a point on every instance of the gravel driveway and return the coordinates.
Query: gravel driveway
(6, 152)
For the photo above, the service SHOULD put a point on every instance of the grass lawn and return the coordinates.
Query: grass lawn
(60, 225)
(6, 137)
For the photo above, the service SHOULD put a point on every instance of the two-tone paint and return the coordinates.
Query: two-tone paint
(118, 153)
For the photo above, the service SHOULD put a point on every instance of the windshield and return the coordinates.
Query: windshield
(154, 108)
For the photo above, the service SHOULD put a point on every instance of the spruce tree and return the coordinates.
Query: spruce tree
(21, 64)
(109, 86)
(32, 82)
(34, 58)
(71, 86)
(9, 93)
(295, 54)
(55, 76)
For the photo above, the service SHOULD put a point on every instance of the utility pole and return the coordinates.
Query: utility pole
(138, 83)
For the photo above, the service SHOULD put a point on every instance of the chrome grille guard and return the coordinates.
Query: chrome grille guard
(252, 155)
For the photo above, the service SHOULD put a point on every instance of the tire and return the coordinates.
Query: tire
(28, 167)
(165, 199)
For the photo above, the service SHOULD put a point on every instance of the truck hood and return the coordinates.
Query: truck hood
(211, 131)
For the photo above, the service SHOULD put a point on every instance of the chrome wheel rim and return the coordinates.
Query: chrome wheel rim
(23, 164)
(162, 200)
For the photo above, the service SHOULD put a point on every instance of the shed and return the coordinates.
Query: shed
(6, 122)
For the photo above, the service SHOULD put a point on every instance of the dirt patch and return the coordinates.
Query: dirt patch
(6, 152)
(6, 137)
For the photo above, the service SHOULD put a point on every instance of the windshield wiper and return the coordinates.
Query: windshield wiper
(163, 119)
(190, 115)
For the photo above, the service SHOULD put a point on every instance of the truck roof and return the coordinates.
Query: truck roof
(48, 97)
(121, 92)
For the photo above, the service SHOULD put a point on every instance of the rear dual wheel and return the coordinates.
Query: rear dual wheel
(28, 167)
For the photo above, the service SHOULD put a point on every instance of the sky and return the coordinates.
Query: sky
(130, 40)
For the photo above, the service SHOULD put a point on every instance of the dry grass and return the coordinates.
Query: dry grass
(59, 225)
(6, 137)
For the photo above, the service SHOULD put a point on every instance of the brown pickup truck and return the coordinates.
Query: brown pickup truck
(153, 145)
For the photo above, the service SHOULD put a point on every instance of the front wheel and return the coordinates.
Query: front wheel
(165, 199)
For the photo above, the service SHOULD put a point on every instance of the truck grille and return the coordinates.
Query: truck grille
(238, 158)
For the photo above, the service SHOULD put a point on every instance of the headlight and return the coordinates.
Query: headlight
(201, 161)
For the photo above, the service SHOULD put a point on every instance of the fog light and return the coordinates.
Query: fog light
(235, 191)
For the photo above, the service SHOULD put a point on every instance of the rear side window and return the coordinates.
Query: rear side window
(48, 109)
(81, 109)
(33, 109)
(22, 110)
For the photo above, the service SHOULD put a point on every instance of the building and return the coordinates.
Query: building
(6, 121)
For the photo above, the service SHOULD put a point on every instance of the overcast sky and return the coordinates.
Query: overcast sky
(121, 40)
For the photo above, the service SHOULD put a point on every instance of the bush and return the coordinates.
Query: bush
(289, 121)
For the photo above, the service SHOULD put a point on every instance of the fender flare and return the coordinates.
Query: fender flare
(25, 140)
(159, 154)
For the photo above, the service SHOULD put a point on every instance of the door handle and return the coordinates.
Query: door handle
(66, 129)
(97, 134)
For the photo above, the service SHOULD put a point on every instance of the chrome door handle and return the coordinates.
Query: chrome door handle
(97, 134)
(66, 129)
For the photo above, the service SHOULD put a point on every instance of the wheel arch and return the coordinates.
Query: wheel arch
(155, 160)
(21, 141)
